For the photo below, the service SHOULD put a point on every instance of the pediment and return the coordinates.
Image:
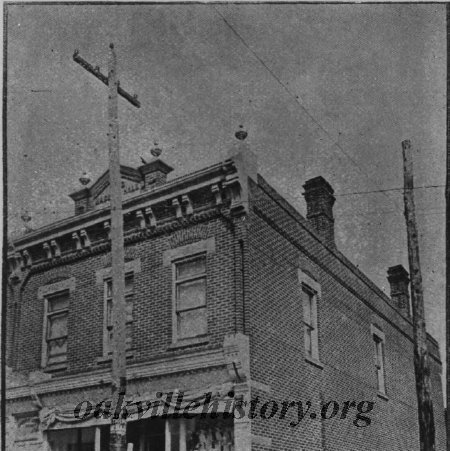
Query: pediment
(131, 181)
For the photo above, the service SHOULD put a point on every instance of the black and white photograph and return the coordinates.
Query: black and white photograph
(224, 226)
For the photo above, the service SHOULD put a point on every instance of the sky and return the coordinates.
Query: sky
(327, 90)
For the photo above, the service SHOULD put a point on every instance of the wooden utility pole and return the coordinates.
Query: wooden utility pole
(421, 368)
(447, 236)
(118, 441)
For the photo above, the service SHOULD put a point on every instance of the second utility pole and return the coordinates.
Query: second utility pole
(421, 365)
(118, 438)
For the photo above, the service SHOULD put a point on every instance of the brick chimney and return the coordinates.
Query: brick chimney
(398, 279)
(154, 173)
(319, 207)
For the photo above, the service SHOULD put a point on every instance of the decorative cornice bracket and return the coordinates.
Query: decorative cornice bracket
(178, 212)
(215, 189)
(107, 227)
(141, 218)
(55, 248)
(77, 240)
(150, 215)
(186, 201)
(47, 250)
(27, 259)
(86, 242)
(233, 184)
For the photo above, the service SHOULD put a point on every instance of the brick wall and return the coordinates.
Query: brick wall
(152, 313)
(280, 244)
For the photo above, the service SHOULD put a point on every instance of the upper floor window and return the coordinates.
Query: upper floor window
(378, 340)
(56, 332)
(55, 297)
(310, 294)
(310, 322)
(189, 311)
(109, 322)
(190, 297)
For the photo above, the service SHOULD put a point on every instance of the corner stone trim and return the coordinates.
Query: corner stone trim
(261, 441)
(133, 266)
(208, 246)
(67, 284)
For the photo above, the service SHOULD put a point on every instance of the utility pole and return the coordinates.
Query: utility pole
(447, 240)
(118, 441)
(421, 368)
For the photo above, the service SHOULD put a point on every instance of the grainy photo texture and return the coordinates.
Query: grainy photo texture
(225, 227)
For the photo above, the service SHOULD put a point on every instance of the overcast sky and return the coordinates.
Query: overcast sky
(322, 90)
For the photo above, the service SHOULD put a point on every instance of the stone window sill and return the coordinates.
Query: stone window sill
(314, 362)
(108, 358)
(185, 342)
(382, 396)
(53, 367)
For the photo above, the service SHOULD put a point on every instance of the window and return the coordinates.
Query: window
(310, 294)
(57, 308)
(378, 340)
(310, 322)
(76, 439)
(108, 333)
(190, 297)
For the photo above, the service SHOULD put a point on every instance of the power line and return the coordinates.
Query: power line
(295, 97)
(388, 189)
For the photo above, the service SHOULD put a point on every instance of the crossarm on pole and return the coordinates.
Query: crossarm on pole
(96, 72)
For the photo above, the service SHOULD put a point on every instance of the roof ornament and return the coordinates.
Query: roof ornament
(156, 151)
(241, 134)
(85, 179)
(26, 218)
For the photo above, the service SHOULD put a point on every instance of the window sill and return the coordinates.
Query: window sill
(53, 367)
(382, 396)
(185, 342)
(314, 362)
(108, 358)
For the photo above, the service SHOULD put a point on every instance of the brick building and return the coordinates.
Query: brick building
(231, 296)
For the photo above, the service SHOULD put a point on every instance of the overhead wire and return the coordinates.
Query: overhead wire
(296, 98)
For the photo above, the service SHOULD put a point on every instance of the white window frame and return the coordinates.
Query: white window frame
(177, 255)
(379, 342)
(308, 284)
(44, 293)
(101, 275)
(106, 344)
(175, 282)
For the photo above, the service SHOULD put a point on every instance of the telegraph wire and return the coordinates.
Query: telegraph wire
(388, 189)
(360, 193)
(295, 97)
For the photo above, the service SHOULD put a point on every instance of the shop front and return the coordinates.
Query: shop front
(153, 434)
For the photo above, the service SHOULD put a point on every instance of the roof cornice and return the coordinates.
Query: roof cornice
(179, 186)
